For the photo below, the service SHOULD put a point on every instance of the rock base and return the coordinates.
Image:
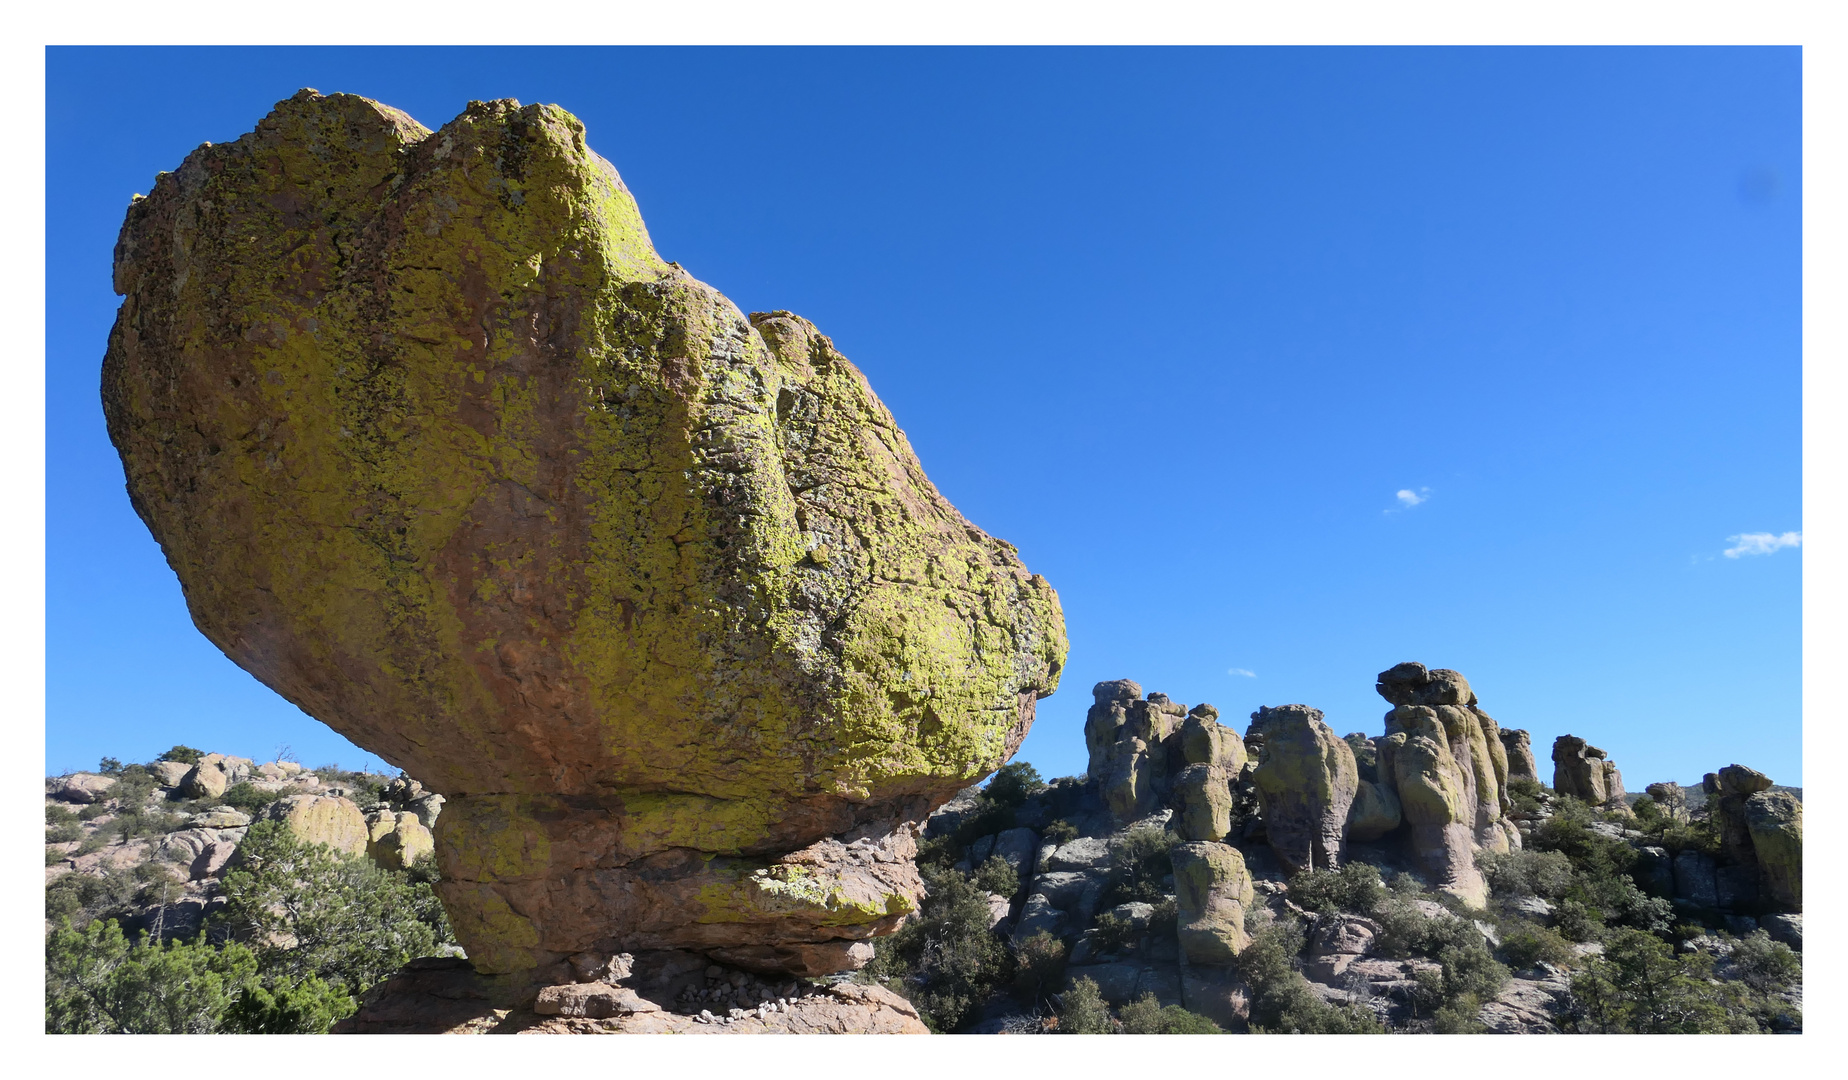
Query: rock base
(447, 996)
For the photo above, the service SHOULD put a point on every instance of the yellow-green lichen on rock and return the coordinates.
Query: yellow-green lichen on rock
(445, 453)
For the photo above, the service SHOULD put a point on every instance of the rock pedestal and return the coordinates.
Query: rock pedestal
(1584, 772)
(655, 594)
(1518, 748)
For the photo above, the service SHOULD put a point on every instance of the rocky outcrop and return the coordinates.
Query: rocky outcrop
(1444, 759)
(1584, 772)
(1518, 748)
(1306, 781)
(1130, 740)
(655, 594)
(1374, 812)
(397, 839)
(1774, 820)
(82, 787)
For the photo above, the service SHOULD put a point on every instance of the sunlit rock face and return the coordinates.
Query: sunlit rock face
(654, 593)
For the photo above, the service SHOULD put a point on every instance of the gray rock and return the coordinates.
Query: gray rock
(1694, 881)
(950, 816)
(998, 908)
(1016, 846)
(1656, 870)
(1530, 907)
(1036, 915)
(1785, 928)
(980, 850)
(1117, 982)
(1085, 853)
(83, 788)
(1735, 887)
(1061, 889)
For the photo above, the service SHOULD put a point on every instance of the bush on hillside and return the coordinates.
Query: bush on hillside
(245, 797)
(185, 755)
(1083, 1011)
(1147, 1016)
(944, 960)
(310, 912)
(997, 875)
(1355, 888)
(1039, 966)
(1527, 873)
(1638, 986)
(1060, 832)
(1139, 865)
(97, 982)
(1281, 1000)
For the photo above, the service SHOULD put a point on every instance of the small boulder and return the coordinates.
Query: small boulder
(207, 779)
(221, 817)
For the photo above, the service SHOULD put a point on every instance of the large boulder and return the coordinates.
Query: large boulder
(1435, 799)
(322, 819)
(1306, 781)
(170, 773)
(1205, 741)
(1129, 742)
(1202, 803)
(82, 787)
(209, 777)
(396, 839)
(1212, 891)
(1775, 820)
(657, 595)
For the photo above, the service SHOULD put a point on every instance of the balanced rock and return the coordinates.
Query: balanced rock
(1212, 891)
(1518, 748)
(1584, 772)
(656, 595)
(170, 773)
(1129, 742)
(1306, 781)
(1205, 741)
(209, 777)
(1670, 799)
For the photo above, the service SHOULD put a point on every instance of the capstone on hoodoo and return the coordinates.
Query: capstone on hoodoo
(655, 594)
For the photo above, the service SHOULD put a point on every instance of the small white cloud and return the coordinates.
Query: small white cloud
(1409, 498)
(1761, 543)
(1242, 671)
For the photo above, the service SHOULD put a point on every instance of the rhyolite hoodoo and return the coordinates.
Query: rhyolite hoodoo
(654, 593)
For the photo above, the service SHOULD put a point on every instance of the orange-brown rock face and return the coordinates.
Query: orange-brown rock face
(655, 594)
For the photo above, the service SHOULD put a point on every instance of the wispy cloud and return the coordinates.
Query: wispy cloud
(1242, 671)
(1408, 499)
(1761, 543)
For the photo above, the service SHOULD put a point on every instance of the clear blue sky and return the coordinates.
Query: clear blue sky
(1180, 324)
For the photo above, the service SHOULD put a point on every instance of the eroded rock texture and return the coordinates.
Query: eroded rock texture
(1444, 759)
(656, 595)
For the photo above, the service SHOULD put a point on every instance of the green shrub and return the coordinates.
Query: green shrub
(1083, 1011)
(245, 797)
(1014, 784)
(945, 960)
(109, 766)
(1526, 945)
(351, 922)
(1527, 787)
(64, 833)
(97, 982)
(93, 811)
(1576, 922)
(58, 815)
(1765, 965)
(1281, 1000)
(83, 898)
(185, 755)
(1060, 832)
(1039, 965)
(1112, 935)
(997, 875)
(1147, 1016)
(1139, 862)
(309, 1007)
(1355, 888)
(1527, 873)
(1639, 986)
